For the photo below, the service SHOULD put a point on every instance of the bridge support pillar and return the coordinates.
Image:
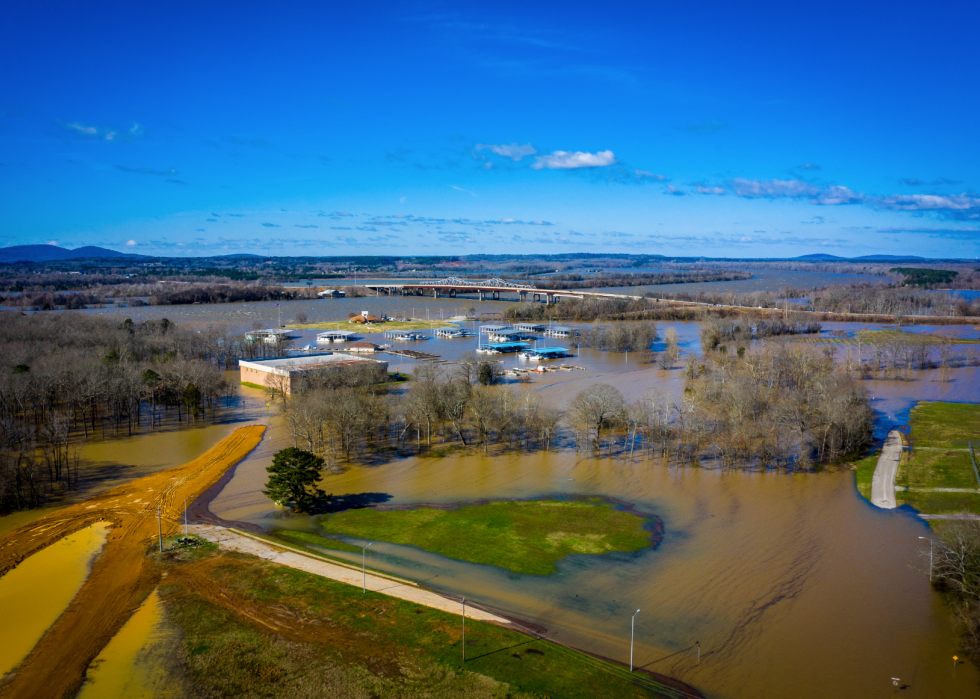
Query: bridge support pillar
(523, 295)
(551, 299)
(435, 293)
(452, 293)
(496, 296)
(483, 295)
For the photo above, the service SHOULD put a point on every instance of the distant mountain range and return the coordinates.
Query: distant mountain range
(49, 253)
(864, 258)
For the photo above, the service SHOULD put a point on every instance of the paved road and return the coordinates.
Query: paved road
(883, 481)
(402, 589)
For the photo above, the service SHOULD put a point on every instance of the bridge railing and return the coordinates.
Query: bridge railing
(495, 283)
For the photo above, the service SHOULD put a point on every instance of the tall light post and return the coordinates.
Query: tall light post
(632, 626)
(363, 568)
(160, 528)
(930, 555)
(464, 629)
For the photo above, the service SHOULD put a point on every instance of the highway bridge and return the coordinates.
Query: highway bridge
(486, 289)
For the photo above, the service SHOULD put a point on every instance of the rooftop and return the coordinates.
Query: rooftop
(310, 361)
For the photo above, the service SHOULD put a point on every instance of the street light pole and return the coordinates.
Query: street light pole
(930, 555)
(464, 629)
(632, 626)
(160, 528)
(363, 568)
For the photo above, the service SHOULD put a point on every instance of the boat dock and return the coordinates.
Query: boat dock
(411, 354)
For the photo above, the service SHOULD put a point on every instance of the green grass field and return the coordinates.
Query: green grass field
(864, 472)
(524, 537)
(939, 434)
(251, 628)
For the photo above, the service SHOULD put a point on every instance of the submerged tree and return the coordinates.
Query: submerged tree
(293, 478)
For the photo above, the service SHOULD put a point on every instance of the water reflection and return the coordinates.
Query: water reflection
(35, 593)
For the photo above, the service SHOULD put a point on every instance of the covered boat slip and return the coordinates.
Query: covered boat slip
(452, 333)
(336, 336)
(539, 353)
(529, 327)
(404, 335)
(560, 331)
(502, 347)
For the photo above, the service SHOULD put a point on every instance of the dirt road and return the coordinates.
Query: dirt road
(121, 577)
(233, 541)
(883, 481)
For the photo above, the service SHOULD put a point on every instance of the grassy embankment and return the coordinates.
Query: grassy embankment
(370, 328)
(939, 478)
(525, 537)
(251, 628)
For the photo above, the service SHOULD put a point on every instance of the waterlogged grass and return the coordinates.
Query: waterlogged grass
(251, 628)
(891, 336)
(525, 537)
(940, 434)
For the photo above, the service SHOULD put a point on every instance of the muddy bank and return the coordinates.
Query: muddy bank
(121, 576)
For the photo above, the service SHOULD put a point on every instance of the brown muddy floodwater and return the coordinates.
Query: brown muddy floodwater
(794, 585)
(137, 662)
(35, 593)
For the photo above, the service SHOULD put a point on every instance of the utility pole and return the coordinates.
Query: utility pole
(160, 528)
(930, 555)
(632, 626)
(464, 629)
(363, 568)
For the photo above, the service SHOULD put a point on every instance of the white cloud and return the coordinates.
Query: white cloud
(513, 151)
(928, 202)
(836, 195)
(568, 160)
(131, 242)
(776, 188)
(87, 130)
(460, 189)
(703, 189)
(644, 175)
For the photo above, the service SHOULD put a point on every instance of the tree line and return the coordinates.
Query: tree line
(775, 405)
(69, 378)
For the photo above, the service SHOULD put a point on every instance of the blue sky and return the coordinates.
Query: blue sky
(718, 129)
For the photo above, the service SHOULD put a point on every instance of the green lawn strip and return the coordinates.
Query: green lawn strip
(947, 425)
(308, 539)
(940, 503)
(864, 473)
(347, 643)
(939, 433)
(526, 537)
(255, 385)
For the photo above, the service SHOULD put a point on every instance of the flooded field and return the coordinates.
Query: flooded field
(36, 592)
(248, 316)
(793, 584)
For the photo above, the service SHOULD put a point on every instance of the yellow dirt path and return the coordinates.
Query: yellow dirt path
(121, 576)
